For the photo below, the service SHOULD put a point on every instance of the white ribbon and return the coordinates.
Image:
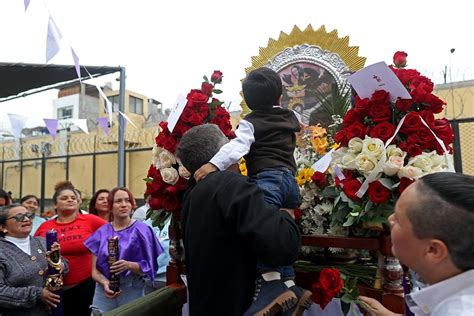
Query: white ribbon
(379, 166)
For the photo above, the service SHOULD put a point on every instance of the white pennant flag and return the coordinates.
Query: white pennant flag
(17, 122)
(128, 119)
(108, 104)
(76, 63)
(53, 40)
(81, 123)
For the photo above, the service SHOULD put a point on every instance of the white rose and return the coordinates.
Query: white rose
(183, 172)
(422, 161)
(373, 146)
(349, 161)
(393, 164)
(438, 162)
(166, 159)
(355, 145)
(155, 155)
(169, 175)
(393, 150)
(410, 172)
(365, 162)
(338, 154)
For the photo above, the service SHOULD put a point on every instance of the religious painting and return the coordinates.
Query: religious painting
(310, 63)
(305, 85)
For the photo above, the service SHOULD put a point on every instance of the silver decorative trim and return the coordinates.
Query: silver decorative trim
(315, 55)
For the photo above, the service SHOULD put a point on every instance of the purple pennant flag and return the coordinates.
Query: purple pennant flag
(76, 63)
(104, 124)
(52, 126)
(27, 3)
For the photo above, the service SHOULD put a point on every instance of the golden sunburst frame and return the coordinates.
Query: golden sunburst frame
(307, 60)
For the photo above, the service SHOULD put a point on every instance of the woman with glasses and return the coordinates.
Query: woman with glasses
(138, 249)
(31, 203)
(73, 228)
(23, 265)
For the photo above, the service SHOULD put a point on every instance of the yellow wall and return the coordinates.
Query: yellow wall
(459, 98)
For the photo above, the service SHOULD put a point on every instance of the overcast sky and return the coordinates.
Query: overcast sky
(167, 46)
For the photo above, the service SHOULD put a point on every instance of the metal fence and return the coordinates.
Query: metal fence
(33, 166)
(463, 145)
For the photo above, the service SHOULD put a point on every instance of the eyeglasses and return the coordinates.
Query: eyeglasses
(21, 217)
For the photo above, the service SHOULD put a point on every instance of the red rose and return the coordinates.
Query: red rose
(380, 113)
(424, 137)
(378, 193)
(197, 98)
(216, 76)
(436, 104)
(196, 119)
(383, 131)
(400, 59)
(411, 148)
(411, 124)
(206, 88)
(319, 179)
(341, 137)
(186, 114)
(404, 183)
(351, 187)
(180, 129)
(320, 296)
(351, 117)
(298, 213)
(156, 202)
(348, 174)
(164, 126)
(356, 130)
(361, 106)
(204, 111)
(404, 105)
(443, 130)
(380, 97)
(220, 111)
(169, 143)
(406, 75)
(331, 281)
(428, 117)
(422, 83)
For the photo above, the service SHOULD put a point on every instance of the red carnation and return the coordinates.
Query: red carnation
(377, 193)
(400, 59)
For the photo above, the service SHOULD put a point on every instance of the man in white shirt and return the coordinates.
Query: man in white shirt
(432, 233)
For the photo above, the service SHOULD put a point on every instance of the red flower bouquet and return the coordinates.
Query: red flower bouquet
(166, 180)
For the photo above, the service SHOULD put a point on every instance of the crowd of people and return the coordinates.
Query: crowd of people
(83, 238)
(239, 233)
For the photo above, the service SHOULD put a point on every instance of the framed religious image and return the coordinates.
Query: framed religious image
(311, 64)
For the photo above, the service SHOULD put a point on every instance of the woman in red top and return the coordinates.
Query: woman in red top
(73, 229)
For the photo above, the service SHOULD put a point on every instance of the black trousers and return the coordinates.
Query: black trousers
(78, 299)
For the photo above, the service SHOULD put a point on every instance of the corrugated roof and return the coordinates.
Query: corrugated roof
(20, 78)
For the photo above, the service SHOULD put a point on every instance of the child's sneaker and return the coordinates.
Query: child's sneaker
(270, 298)
(304, 302)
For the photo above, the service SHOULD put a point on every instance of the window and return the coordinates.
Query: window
(135, 105)
(65, 112)
(114, 99)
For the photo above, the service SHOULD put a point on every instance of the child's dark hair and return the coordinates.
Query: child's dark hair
(262, 88)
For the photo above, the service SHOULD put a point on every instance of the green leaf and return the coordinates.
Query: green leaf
(205, 79)
(158, 217)
(148, 180)
(217, 91)
(386, 182)
(350, 220)
(345, 307)
(346, 298)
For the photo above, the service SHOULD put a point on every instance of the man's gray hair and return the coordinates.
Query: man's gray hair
(199, 145)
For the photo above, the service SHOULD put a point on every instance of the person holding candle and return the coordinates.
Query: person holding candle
(23, 266)
(138, 250)
(73, 228)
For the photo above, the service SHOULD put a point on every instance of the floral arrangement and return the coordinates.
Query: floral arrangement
(166, 180)
(366, 176)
